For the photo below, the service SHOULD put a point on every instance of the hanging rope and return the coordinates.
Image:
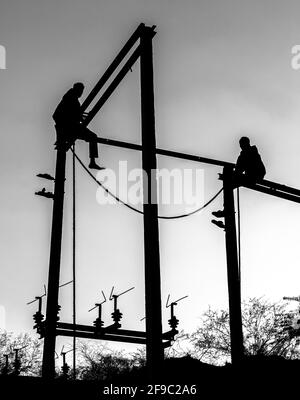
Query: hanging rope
(137, 210)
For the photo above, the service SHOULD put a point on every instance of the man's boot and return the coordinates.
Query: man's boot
(94, 165)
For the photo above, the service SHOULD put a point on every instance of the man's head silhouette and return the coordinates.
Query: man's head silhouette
(244, 143)
(78, 88)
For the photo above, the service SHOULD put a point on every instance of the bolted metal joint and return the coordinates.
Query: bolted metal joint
(58, 307)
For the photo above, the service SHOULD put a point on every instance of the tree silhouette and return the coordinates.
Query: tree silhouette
(265, 328)
(98, 362)
(29, 353)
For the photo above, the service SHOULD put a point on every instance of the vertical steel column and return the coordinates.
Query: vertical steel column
(74, 258)
(48, 369)
(234, 288)
(154, 349)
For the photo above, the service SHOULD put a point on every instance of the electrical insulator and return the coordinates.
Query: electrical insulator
(38, 318)
(116, 316)
(219, 224)
(98, 324)
(39, 324)
(65, 369)
(173, 322)
(219, 214)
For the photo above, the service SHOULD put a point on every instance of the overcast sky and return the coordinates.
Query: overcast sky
(222, 70)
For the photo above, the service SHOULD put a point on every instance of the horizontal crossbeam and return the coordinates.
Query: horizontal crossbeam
(91, 328)
(105, 336)
(108, 337)
(271, 188)
(280, 188)
(110, 333)
(168, 153)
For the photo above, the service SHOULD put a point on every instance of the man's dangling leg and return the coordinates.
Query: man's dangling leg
(93, 149)
(91, 137)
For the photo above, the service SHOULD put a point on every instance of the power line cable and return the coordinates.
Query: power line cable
(137, 210)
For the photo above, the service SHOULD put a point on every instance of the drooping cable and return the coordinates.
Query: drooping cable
(137, 210)
(104, 188)
(195, 211)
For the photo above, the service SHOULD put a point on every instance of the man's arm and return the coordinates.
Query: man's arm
(239, 167)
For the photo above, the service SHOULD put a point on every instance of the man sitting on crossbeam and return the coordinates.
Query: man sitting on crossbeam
(68, 119)
(249, 164)
(249, 169)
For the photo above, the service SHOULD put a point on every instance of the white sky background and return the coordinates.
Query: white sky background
(222, 70)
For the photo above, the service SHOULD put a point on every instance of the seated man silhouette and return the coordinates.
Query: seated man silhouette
(68, 119)
(249, 166)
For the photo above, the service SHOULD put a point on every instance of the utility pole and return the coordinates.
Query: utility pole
(48, 370)
(74, 260)
(234, 285)
(154, 349)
